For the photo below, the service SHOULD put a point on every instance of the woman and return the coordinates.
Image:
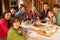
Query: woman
(15, 32)
(57, 13)
(51, 18)
(4, 25)
(33, 14)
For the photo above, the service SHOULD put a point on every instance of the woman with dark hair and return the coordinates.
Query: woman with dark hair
(16, 31)
(4, 25)
(57, 13)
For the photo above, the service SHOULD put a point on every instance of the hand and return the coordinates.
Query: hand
(24, 31)
(47, 19)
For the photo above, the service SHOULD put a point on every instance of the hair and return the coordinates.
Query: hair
(59, 6)
(13, 8)
(46, 3)
(13, 20)
(56, 6)
(51, 12)
(22, 6)
(3, 14)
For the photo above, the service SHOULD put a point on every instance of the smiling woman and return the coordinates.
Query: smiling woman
(4, 25)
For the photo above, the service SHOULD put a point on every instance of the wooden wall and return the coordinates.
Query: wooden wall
(0, 7)
(7, 5)
(28, 4)
(39, 3)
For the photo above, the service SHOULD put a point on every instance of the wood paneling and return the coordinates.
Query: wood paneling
(7, 5)
(0, 7)
(37, 3)
(28, 4)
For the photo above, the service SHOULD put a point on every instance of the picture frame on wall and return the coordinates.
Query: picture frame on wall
(13, 3)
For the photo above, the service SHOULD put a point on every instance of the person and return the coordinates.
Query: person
(44, 13)
(13, 11)
(4, 25)
(51, 18)
(59, 8)
(22, 13)
(57, 13)
(33, 14)
(56, 9)
(16, 31)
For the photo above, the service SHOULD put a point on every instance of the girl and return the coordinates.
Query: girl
(15, 32)
(51, 18)
(4, 25)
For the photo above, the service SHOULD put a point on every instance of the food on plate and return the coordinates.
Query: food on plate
(39, 24)
(47, 30)
(41, 32)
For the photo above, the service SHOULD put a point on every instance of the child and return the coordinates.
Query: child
(15, 32)
(51, 18)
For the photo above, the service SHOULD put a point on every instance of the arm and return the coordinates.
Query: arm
(12, 35)
(54, 20)
(4, 26)
(17, 14)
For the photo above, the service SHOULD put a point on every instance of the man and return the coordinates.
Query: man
(13, 11)
(45, 11)
(22, 13)
(57, 13)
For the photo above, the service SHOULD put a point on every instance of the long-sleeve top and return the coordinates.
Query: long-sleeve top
(3, 28)
(31, 16)
(58, 19)
(44, 15)
(21, 15)
(13, 35)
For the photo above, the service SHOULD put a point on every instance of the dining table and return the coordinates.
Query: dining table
(32, 35)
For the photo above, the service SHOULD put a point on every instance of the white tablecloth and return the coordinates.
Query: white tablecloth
(34, 36)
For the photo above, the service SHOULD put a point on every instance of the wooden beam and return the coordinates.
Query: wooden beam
(3, 6)
(32, 3)
(56, 1)
(18, 3)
